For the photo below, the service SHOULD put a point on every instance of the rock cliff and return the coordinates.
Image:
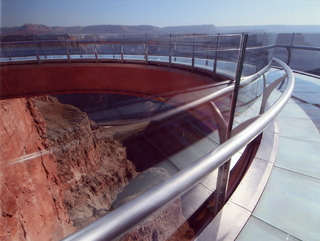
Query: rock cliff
(60, 172)
(167, 224)
(92, 167)
(31, 197)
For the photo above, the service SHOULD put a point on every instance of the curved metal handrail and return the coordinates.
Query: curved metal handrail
(212, 97)
(130, 214)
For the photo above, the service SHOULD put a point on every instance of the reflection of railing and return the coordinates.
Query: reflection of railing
(127, 216)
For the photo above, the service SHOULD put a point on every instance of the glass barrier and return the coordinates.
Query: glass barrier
(259, 52)
(108, 46)
(300, 51)
(214, 53)
(113, 146)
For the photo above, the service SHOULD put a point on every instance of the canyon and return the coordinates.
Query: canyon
(60, 171)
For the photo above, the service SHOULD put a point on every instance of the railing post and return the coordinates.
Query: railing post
(263, 103)
(95, 48)
(223, 172)
(113, 54)
(146, 48)
(38, 57)
(9, 52)
(260, 50)
(170, 51)
(207, 59)
(193, 46)
(122, 50)
(289, 50)
(216, 58)
(37, 54)
(67, 48)
(240, 63)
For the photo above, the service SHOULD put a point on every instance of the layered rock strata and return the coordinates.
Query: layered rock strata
(166, 224)
(58, 169)
(92, 167)
(31, 197)
(60, 172)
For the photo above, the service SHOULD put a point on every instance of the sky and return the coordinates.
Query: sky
(160, 13)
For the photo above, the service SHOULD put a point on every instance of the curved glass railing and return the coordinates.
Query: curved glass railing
(207, 52)
(127, 216)
(228, 115)
(300, 51)
(211, 53)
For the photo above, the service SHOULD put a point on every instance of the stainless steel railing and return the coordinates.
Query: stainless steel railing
(192, 52)
(183, 50)
(130, 214)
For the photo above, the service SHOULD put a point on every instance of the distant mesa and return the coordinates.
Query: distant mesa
(38, 29)
(191, 29)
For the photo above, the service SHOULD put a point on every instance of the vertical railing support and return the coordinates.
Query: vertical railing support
(259, 54)
(268, 90)
(38, 57)
(216, 58)
(113, 51)
(243, 45)
(263, 103)
(289, 50)
(95, 49)
(216, 202)
(223, 172)
(170, 50)
(122, 50)
(207, 59)
(146, 48)
(193, 46)
(37, 54)
(9, 52)
(67, 48)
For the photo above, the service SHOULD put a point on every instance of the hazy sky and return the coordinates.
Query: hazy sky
(159, 12)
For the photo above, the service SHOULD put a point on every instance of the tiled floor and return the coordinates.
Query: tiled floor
(289, 208)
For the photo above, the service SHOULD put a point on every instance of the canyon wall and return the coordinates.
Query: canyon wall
(31, 198)
(92, 167)
(60, 172)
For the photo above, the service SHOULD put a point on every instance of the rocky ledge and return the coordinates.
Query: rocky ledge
(60, 172)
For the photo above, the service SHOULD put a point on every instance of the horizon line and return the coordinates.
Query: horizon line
(205, 24)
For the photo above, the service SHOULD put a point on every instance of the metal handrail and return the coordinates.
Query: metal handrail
(170, 41)
(127, 216)
(130, 214)
(212, 97)
(298, 47)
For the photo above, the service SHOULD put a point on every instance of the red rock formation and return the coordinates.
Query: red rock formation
(59, 170)
(55, 169)
(92, 167)
(167, 224)
(31, 198)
